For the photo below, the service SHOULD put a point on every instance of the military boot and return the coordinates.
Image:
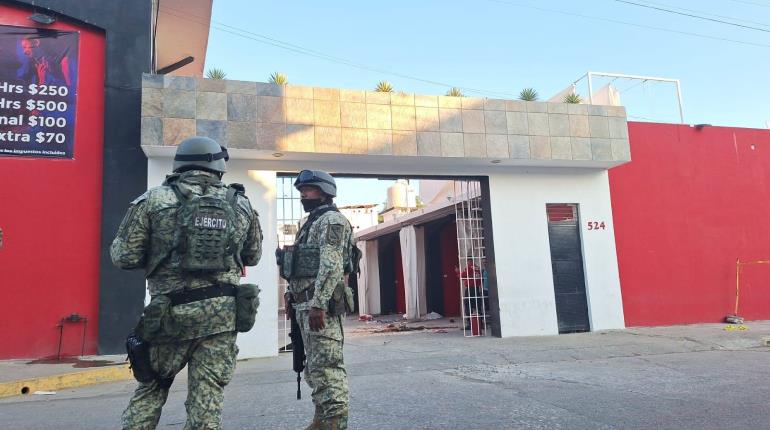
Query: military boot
(339, 422)
(316, 424)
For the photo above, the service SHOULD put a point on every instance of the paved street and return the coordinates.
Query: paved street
(689, 377)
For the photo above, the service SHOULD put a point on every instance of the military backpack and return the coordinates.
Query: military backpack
(206, 230)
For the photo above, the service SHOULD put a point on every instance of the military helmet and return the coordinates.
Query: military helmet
(201, 152)
(317, 178)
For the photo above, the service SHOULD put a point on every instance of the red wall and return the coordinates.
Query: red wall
(50, 213)
(449, 263)
(687, 206)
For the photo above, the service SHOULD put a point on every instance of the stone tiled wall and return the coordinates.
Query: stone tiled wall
(255, 115)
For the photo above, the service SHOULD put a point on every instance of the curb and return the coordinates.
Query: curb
(67, 380)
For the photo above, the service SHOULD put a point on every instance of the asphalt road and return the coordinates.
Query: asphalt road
(681, 378)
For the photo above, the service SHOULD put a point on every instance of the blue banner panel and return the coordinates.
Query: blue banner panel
(38, 92)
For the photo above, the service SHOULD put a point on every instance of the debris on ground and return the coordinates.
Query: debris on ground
(365, 317)
(391, 328)
(730, 327)
(433, 316)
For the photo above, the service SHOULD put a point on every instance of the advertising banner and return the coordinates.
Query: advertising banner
(38, 82)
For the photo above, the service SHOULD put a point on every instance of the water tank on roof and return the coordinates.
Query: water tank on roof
(401, 195)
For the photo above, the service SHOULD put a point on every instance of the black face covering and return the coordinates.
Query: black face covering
(310, 204)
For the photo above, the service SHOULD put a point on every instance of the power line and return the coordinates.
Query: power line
(661, 9)
(615, 21)
(710, 14)
(751, 3)
(309, 52)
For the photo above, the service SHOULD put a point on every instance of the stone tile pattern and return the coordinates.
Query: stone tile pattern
(291, 118)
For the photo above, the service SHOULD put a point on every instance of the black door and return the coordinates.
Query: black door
(434, 296)
(567, 265)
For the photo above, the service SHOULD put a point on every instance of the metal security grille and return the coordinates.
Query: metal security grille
(474, 292)
(289, 213)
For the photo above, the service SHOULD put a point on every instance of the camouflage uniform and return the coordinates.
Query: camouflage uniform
(203, 335)
(325, 371)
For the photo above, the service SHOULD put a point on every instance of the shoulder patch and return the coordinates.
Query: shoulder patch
(334, 233)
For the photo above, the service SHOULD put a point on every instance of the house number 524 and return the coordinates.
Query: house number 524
(596, 225)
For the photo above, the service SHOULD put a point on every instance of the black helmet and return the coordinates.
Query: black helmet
(317, 178)
(201, 152)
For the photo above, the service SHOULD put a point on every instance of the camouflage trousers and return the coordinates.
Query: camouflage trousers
(210, 364)
(325, 370)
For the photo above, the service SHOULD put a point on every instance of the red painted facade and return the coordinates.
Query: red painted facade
(449, 266)
(690, 203)
(50, 213)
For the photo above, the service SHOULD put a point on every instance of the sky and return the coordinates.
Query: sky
(495, 48)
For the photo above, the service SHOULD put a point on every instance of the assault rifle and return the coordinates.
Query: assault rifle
(297, 347)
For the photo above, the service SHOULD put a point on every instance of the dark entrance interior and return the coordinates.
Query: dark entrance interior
(442, 284)
(567, 265)
(392, 300)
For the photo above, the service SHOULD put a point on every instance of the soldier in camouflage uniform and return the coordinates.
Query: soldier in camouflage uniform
(321, 301)
(198, 329)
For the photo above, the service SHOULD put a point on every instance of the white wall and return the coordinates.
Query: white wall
(360, 218)
(262, 340)
(435, 191)
(522, 251)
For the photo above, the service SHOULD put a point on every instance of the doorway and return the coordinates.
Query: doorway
(567, 266)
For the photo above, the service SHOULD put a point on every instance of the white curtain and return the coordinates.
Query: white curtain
(363, 306)
(372, 279)
(408, 238)
(607, 95)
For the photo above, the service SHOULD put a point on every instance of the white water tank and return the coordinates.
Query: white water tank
(401, 195)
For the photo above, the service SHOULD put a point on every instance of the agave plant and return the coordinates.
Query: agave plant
(279, 79)
(216, 73)
(528, 95)
(454, 92)
(384, 87)
(573, 98)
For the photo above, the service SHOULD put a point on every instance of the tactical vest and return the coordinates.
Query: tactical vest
(205, 234)
(302, 260)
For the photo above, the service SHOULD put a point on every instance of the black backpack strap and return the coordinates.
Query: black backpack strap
(233, 191)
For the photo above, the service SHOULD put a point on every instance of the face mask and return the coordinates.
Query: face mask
(310, 204)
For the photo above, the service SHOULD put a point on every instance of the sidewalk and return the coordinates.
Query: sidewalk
(23, 377)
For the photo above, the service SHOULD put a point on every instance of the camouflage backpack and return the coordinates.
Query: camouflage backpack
(206, 230)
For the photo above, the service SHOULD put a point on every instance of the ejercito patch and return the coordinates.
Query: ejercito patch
(334, 233)
(207, 221)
